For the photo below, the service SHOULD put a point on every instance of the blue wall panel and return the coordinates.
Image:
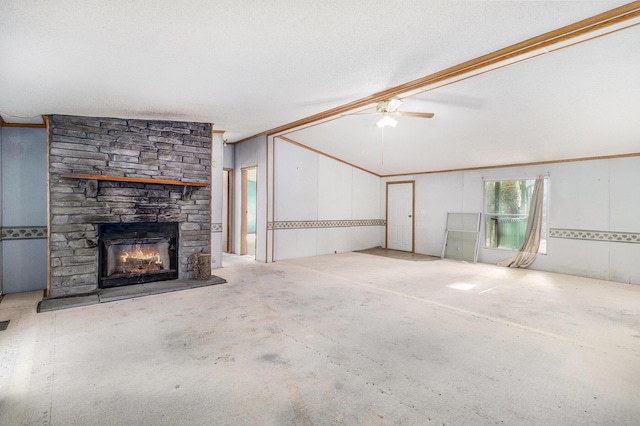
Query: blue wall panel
(23, 154)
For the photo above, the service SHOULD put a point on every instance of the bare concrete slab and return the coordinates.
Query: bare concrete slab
(346, 339)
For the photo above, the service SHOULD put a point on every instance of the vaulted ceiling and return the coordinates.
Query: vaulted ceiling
(249, 67)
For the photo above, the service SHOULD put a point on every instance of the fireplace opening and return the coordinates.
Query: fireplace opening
(136, 253)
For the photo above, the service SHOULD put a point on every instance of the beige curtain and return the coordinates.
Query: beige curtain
(529, 250)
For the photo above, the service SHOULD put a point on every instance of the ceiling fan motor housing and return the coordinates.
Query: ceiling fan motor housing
(390, 105)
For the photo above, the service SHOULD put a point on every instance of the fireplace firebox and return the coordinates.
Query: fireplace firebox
(136, 253)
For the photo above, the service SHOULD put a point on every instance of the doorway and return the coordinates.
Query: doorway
(400, 216)
(249, 210)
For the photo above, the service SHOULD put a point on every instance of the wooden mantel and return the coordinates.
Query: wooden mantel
(131, 179)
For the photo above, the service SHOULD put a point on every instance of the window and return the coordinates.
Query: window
(506, 211)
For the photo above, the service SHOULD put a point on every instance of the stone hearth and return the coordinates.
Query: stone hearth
(109, 147)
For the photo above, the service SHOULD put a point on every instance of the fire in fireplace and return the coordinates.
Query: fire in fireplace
(135, 253)
(138, 258)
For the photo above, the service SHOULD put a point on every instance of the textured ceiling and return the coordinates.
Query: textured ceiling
(250, 66)
(583, 101)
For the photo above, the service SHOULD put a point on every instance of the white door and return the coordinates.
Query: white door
(400, 216)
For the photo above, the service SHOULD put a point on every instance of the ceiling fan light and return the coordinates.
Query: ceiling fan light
(387, 121)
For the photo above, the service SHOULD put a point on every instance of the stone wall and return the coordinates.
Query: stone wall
(129, 148)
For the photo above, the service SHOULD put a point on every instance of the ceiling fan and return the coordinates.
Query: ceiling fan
(389, 110)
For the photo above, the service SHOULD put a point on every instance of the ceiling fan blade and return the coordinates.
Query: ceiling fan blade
(415, 114)
(365, 113)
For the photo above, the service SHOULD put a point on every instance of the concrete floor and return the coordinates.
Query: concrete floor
(342, 339)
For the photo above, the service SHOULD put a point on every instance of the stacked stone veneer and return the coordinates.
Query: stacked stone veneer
(131, 148)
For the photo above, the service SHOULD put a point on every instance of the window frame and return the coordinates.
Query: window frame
(545, 214)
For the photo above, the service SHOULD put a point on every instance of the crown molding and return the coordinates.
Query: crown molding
(502, 166)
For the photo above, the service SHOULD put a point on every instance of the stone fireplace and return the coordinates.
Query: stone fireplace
(106, 174)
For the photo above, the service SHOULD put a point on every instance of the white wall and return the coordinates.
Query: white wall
(314, 188)
(217, 165)
(1, 208)
(598, 195)
(228, 156)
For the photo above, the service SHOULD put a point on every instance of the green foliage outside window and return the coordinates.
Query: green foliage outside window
(506, 212)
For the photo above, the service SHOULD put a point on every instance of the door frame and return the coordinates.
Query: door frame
(228, 214)
(243, 207)
(413, 213)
